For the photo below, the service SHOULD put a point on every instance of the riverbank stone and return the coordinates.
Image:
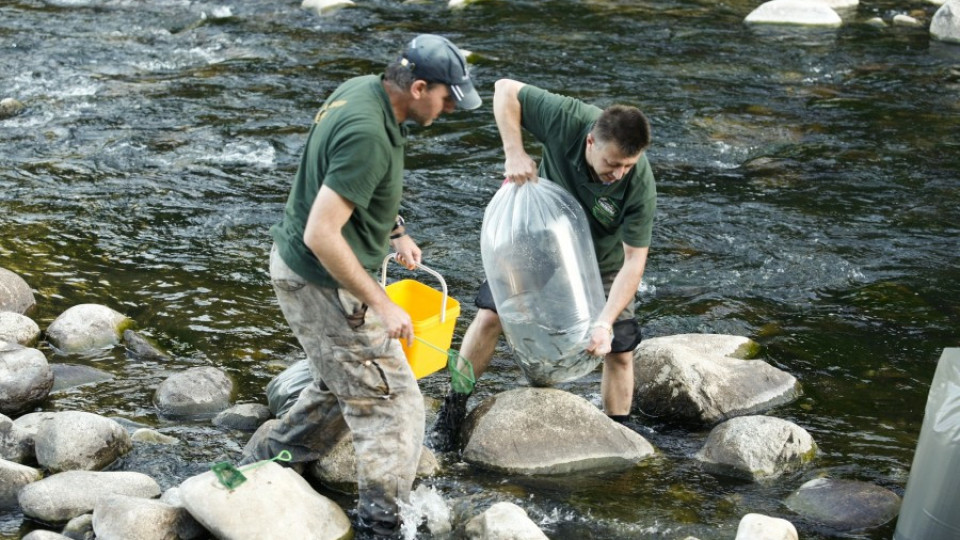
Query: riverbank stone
(18, 328)
(548, 431)
(325, 7)
(16, 444)
(25, 378)
(703, 379)
(63, 496)
(503, 521)
(14, 476)
(945, 25)
(87, 326)
(15, 294)
(795, 12)
(196, 393)
(77, 440)
(844, 505)
(41, 534)
(295, 510)
(756, 448)
(761, 527)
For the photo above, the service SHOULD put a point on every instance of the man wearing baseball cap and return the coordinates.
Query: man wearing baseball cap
(340, 221)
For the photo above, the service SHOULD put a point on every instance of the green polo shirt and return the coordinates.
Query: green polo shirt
(619, 213)
(355, 148)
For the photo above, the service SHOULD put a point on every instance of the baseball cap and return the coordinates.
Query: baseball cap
(433, 58)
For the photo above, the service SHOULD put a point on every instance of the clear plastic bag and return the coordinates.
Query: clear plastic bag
(539, 260)
(284, 389)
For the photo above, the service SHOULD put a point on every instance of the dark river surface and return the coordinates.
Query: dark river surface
(808, 200)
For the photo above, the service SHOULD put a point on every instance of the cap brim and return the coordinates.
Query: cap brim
(466, 96)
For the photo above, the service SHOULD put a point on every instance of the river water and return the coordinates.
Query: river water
(808, 200)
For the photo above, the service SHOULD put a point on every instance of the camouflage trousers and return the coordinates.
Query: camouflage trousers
(362, 384)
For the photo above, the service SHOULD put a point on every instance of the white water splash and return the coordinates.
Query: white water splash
(426, 505)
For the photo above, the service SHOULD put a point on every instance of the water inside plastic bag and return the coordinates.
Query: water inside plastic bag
(542, 269)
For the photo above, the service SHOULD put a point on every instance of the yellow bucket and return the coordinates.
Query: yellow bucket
(434, 316)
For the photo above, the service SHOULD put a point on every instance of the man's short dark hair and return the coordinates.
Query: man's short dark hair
(625, 127)
(402, 76)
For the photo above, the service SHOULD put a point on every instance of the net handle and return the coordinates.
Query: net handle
(434, 273)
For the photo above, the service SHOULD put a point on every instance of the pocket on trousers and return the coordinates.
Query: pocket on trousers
(359, 363)
(289, 285)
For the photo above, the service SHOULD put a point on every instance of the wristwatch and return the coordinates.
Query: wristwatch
(399, 224)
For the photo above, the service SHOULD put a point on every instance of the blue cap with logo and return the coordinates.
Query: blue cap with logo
(433, 58)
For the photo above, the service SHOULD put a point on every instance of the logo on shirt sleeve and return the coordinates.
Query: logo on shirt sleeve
(326, 107)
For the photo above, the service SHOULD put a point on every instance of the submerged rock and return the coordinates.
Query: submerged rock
(142, 348)
(71, 375)
(844, 505)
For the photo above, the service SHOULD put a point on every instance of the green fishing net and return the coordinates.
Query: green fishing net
(231, 477)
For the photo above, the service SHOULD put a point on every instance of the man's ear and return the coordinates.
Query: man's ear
(418, 87)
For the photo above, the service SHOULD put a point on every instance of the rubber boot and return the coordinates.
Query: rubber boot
(444, 436)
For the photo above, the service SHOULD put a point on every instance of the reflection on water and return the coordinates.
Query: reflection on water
(808, 200)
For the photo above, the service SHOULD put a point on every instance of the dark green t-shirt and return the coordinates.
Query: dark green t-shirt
(621, 212)
(355, 148)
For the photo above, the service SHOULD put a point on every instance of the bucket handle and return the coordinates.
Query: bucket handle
(434, 273)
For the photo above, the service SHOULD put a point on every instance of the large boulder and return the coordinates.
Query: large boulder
(197, 393)
(756, 447)
(85, 327)
(703, 379)
(18, 328)
(25, 378)
(844, 505)
(64, 496)
(795, 12)
(548, 431)
(76, 440)
(15, 294)
(122, 517)
(945, 25)
(295, 509)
